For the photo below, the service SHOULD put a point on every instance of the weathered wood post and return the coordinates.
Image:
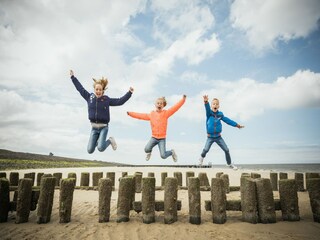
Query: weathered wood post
(124, 198)
(39, 176)
(310, 175)
(84, 180)
(194, 200)
(112, 177)
(299, 181)
(178, 175)
(105, 191)
(14, 178)
(24, 200)
(266, 207)
(31, 175)
(249, 205)
(289, 200)
(45, 202)
(58, 177)
(283, 175)
(4, 199)
(66, 197)
(148, 199)
(73, 175)
(164, 175)
(204, 181)
(225, 178)
(314, 196)
(150, 174)
(274, 181)
(138, 181)
(255, 175)
(95, 178)
(218, 201)
(170, 200)
(189, 174)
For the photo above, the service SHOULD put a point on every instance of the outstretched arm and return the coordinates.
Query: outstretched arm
(141, 116)
(123, 99)
(176, 107)
(207, 105)
(84, 93)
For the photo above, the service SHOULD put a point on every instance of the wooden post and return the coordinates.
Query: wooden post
(148, 199)
(4, 199)
(289, 200)
(124, 198)
(218, 201)
(194, 200)
(170, 200)
(45, 202)
(24, 200)
(249, 205)
(105, 191)
(66, 198)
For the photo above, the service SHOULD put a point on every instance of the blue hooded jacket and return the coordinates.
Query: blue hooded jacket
(213, 123)
(98, 108)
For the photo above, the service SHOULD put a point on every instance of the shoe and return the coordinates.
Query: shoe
(148, 156)
(113, 143)
(200, 161)
(233, 167)
(174, 156)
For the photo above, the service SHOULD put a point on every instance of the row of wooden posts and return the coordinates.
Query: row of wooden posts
(256, 204)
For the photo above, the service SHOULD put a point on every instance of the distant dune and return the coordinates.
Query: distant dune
(20, 160)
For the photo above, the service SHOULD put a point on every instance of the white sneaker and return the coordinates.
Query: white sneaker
(113, 143)
(148, 156)
(200, 161)
(232, 166)
(174, 156)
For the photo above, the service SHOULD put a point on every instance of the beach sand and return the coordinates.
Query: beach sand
(84, 218)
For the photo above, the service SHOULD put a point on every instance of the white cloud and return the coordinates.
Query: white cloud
(247, 98)
(267, 22)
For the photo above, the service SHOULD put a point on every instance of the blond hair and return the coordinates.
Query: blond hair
(163, 99)
(103, 82)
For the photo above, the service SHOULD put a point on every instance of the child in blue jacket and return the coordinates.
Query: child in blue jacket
(214, 129)
(99, 113)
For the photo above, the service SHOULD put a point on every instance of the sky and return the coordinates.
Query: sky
(260, 58)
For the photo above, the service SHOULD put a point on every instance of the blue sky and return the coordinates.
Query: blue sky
(260, 58)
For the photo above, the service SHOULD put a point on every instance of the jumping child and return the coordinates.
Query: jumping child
(99, 113)
(158, 121)
(214, 129)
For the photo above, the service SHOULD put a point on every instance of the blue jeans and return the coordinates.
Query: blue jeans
(161, 144)
(97, 139)
(221, 143)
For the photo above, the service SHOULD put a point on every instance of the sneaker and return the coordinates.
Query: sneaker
(200, 161)
(174, 156)
(113, 143)
(148, 156)
(233, 167)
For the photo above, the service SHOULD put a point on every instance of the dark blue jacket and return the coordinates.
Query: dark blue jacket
(98, 108)
(214, 126)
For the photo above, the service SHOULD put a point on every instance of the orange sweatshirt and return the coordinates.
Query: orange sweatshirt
(158, 120)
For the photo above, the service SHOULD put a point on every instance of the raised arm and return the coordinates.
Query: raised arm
(207, 105)
(176, 107)
(123, 99)
(83, 92)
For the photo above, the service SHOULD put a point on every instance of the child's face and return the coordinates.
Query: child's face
(215, 105)
(159, 104)
(98, 90)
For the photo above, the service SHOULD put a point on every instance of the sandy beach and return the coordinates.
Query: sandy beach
(84, 218)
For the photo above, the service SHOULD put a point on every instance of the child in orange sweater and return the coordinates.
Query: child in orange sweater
(159, 121)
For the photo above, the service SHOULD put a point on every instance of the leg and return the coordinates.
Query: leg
(94, 135)
(152, 142)
(162, 148)
(225, 148)
(102, 142)
(207, 147)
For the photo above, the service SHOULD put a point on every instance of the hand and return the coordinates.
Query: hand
(205, 98)
(131, 89)
(240, 126)
(71, 73)
(184, 96)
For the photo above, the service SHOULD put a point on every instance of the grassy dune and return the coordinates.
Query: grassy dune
(10, 160)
